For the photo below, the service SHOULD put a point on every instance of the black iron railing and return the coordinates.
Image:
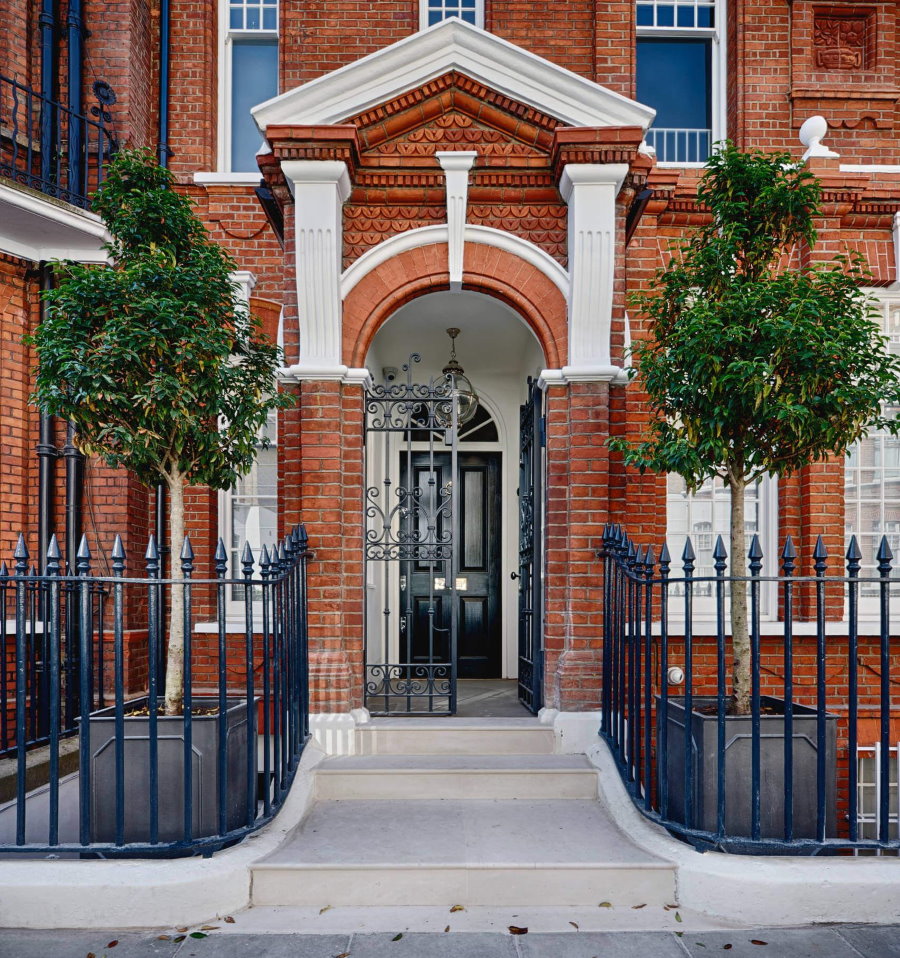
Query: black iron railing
(92, 764)
(48, 147)
(812, 769)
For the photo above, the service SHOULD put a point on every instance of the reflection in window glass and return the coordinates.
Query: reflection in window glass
(704, 516)
(254, 508)
(254, 78)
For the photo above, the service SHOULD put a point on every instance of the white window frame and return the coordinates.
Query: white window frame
(425, 9)
(718, 66)
(704, 606)
(887, 301)
(223, 137)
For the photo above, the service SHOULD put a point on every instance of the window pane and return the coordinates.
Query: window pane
(665, 15)
(673, 76)
(254, 78)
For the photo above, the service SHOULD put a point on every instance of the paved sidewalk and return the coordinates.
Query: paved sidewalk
(839, 941)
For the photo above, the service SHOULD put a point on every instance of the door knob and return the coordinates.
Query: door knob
(514, 575)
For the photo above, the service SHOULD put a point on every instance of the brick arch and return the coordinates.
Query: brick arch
(495, 272)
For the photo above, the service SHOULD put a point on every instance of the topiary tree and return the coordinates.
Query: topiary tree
(153, 359)
(756, 365)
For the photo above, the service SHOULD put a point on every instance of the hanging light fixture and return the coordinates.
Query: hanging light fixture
(462, 389)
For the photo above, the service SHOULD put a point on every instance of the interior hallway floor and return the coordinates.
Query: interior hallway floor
(489, 698)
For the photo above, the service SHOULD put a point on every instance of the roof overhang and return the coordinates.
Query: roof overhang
(452, 44)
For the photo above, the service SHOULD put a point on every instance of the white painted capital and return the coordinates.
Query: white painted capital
(590, 190)
(320, 188)
(245, 282)
(456, 166)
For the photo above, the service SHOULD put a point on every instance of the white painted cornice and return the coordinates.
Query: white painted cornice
(453, 45)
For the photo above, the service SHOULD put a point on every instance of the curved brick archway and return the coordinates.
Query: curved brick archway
(489, 270)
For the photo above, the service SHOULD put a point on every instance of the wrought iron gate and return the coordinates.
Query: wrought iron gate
(410, 547)
(531, 465)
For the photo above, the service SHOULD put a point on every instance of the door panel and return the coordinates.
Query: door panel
(477, 533)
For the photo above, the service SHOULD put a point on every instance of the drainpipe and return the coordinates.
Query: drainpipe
(49, 87)
(77, 169)
(74, 487)
(47, 454)
(164, 30)
(163, 153)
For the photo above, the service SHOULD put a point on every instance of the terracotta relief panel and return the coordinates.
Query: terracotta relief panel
(840, 42)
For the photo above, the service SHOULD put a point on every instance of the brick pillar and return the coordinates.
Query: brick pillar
(321, 485)
(577, 508)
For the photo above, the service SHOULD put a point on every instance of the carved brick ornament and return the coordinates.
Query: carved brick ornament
(840, 42)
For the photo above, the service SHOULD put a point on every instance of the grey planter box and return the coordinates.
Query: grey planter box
(170, 738)
(738, 739)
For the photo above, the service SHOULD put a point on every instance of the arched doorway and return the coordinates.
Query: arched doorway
(442, 505)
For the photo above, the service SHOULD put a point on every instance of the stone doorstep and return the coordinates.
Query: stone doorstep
(37, 767)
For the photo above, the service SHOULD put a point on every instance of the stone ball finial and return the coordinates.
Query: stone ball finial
(811, 134)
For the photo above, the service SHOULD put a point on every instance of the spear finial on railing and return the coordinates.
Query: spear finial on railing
(187, 558)
(820, 557)
(788, 557)
(220, 560)
(117, 555)
(755, 555)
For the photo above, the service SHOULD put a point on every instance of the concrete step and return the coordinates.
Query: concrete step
(455, 737)
(468, 852)
(456, 777)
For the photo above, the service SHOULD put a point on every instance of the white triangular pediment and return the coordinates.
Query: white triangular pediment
(452, 44)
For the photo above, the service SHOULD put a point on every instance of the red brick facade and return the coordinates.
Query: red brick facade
(783, 65)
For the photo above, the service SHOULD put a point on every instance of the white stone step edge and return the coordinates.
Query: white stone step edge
(485, 884)
(572, 732)
(760, 890)
(455, 783)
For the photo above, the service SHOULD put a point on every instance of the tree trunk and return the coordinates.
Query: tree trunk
(740, 638)
(175, 650)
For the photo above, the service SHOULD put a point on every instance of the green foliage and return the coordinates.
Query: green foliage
(755, 365)
(150, 356)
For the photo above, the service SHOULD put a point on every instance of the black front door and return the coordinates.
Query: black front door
(478, 544)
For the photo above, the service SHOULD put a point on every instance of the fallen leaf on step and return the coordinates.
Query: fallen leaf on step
(457, 908)
(163, 937)
(574, 924)
(756, 941)
(679, 934)
(605, 904)
(447, 929)
(343, 954)
(516, 930)
(397, 937)
(677, 916)
(229, 920)
(635, 907)
(113, 943)
(727, 947)
(198, 934)
(90, 954)
(209, 928)
(179, 938)
(323, 910)
(180, 929)
(699, 944)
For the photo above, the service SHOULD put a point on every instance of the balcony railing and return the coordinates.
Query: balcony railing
(48, 147)
(812, 769)
(90, 764)
(680, 146)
